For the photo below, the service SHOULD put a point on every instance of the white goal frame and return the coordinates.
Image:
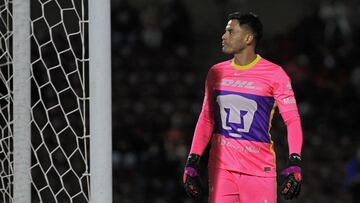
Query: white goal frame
(100, 101)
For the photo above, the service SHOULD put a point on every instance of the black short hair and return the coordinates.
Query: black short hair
(250, 21)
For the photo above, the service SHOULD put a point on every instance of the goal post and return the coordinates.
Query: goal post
(100, 107)
(55, 99)
(21, 101)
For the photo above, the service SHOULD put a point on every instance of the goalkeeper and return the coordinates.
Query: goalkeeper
(241, 95)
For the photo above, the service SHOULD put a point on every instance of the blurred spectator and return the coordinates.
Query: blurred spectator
(151, 31)
(125, 27)
(355, 79)
(177, 27)
(352, 176)
(335, 15)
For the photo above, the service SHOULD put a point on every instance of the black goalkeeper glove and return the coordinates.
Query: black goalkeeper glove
(191, 177)
(292, 177)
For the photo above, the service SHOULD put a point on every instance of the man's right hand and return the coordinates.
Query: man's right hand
(191, 177)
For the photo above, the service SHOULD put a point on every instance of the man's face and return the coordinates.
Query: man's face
(235, 38)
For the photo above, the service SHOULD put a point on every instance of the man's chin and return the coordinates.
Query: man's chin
(226, 51)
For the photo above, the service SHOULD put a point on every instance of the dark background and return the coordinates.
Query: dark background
(161, 51)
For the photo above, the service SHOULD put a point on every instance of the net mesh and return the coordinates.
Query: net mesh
(59, 101)
(6, 117)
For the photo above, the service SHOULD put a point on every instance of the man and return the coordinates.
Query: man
(241, 95)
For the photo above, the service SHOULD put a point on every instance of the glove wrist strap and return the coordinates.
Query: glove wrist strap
(193, 160)
(294, 160)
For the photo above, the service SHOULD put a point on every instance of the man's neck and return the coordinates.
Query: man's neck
(245, 57)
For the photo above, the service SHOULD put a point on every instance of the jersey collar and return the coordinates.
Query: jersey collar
(247, 66)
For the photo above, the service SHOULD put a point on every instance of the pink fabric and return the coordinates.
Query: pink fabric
(294, 131)
(229, 187)
(205, 124)
(254, 158)
(236, 116)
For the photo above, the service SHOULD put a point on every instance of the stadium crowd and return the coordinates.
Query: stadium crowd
(158, 88)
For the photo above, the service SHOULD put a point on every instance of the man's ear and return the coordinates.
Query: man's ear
(249, 38)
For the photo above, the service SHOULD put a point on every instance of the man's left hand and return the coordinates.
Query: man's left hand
(292, 178)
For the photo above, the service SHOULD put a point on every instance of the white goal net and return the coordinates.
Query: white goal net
(59, 110)
(6, 117)
(59, 98)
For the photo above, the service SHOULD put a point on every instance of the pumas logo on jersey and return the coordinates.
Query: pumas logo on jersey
(238, 83)
(237, 113)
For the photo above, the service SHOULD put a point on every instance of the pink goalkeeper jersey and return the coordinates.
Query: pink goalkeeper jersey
(236, 115)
